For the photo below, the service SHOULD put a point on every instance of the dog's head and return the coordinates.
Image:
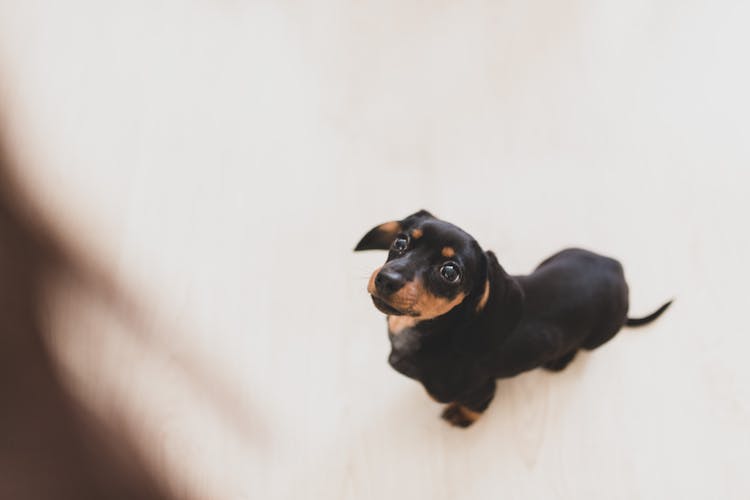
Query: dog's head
(432, 267)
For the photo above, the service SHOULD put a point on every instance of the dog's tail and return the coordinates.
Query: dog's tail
(649, 318)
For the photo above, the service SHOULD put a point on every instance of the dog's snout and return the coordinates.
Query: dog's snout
(388, 282)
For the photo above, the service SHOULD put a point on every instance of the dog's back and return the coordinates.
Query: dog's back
(578, 295)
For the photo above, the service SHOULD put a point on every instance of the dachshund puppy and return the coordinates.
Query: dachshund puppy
(457, 321)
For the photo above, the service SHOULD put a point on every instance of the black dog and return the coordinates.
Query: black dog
(457, 321)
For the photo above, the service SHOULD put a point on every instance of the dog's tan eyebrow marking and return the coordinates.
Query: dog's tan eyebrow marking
(448, 252)
(485, 296)
(416, 234)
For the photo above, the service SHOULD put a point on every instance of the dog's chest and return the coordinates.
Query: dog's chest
(418, 355)
(444, 371)
(407, 354)
(406, 342)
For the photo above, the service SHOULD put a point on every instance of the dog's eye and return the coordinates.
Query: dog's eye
(450, 272)
(400, 243)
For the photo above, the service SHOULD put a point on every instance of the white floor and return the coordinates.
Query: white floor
(219, 160)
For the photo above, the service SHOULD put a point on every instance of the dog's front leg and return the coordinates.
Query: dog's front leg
(469, 407)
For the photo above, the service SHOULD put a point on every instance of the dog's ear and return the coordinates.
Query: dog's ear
(422, 214)
(506, 294)
(380, 237)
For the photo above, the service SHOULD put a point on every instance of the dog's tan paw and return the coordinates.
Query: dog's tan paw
(459, 416)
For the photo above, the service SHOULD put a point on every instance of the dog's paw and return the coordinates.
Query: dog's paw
(459, 416)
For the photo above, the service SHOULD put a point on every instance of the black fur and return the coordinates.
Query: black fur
(574, 300)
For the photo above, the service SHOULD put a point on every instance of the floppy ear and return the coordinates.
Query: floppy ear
(380, 237)
(506, 296)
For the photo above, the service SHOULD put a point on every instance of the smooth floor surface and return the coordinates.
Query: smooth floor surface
(218, 161)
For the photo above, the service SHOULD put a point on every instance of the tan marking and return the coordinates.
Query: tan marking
(429, 306)
(469, 414)
(416, 234)
(371, 283)
(397, 324)
(405, 298)
(390, 227)
(464, 412)
(485, 296)
(417, 302)
(448, 252)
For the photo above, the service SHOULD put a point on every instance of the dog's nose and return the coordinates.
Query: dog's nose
(388, 282)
